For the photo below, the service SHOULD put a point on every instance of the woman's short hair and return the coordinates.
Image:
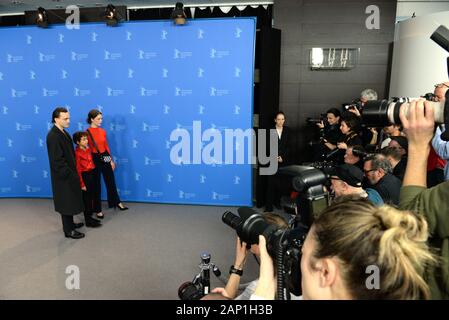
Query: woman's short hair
(92, 115)
(334, 111)
(352, 121)
(361, 235)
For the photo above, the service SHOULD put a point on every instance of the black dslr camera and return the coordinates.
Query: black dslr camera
(355, 104)
(283, 245)
(322, 118)
(429, 96)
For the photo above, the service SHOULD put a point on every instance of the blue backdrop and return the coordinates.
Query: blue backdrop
(151, 80)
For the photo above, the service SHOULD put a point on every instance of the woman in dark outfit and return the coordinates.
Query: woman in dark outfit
(274, 186)
(349, 127)
(100, 152)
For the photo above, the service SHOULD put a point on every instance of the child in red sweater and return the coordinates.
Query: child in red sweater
(86, 171)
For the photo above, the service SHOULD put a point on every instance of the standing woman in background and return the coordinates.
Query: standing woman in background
(104, 163)
(274, 184)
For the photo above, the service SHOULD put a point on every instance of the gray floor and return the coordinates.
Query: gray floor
(143, 253)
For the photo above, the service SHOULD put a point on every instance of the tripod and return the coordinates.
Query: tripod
(203, 278)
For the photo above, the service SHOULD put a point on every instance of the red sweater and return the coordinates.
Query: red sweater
(84, 162)
(434, 161)
(99, 135)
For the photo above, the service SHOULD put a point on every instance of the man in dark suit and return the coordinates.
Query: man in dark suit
(67, 194)
(378, 172)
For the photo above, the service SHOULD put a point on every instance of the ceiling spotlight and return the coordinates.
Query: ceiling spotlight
(42, 18)
(178, 15)
(111, 16)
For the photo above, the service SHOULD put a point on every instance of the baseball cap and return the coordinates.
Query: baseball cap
(402, 141)
(348, 173)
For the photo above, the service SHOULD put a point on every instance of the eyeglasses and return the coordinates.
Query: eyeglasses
(367, 171)
(441, 85)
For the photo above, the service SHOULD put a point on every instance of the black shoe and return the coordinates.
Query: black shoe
(100, 215)
(93, 223)
(74, 234)
(123, 208)
(79, 225)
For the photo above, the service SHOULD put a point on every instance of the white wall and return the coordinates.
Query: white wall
(418, 62)
(406, 8)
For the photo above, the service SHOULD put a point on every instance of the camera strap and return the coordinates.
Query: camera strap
(93, 141)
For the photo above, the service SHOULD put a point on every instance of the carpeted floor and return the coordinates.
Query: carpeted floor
(143, 253)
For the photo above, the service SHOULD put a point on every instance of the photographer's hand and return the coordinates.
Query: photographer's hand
(375, 134)
(342, 145)
(320, 124)
(418, 126)
(240, 254)
(266, 287)
(232, 286)
(329, 145)
(355, 111)
(221, 291)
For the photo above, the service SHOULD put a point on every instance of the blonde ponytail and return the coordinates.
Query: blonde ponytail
(362, 235)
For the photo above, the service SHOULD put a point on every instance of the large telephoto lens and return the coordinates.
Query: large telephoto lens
(231, 220)
(375, 113)
(254, 226)
(386, 112)
(249, 226)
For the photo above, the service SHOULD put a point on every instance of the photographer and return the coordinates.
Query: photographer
(441, 148)
(241, 252)
(367, 95)
(330, 131)
(378, 172)
(440, 91)
(346, 180)
(397, 161)
(349, 238)
(431, 203)
(349, 127)
(394, 130)
(368, 135)
(400, 143)
(354, 156)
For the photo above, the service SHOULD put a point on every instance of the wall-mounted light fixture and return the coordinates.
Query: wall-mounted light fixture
(333, 58)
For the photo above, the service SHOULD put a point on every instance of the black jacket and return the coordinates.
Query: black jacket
(399, 169)
(67, 194)
(332, 133)
(389, 188)
(284, 146)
